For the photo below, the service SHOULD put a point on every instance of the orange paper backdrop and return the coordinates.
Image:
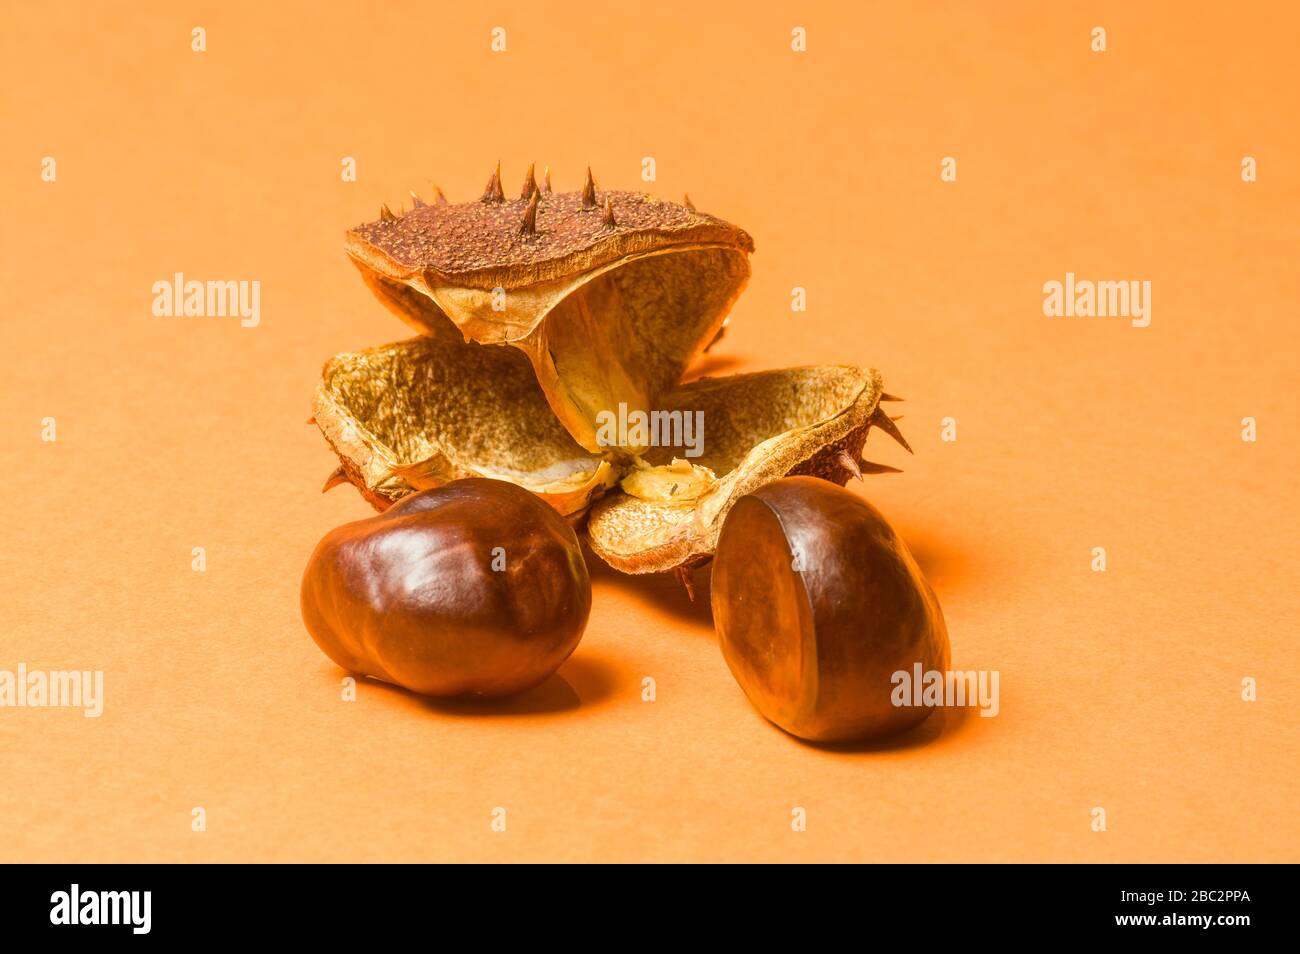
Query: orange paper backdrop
(1119, 689)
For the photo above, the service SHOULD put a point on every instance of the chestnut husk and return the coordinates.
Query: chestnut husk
(541, 314)
(608, 294)
(417, 414)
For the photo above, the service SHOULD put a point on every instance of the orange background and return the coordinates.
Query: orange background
(1119, 689)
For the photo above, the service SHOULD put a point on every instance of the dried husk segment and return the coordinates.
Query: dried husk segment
(416, 414)
(610, 295)
(757, 428)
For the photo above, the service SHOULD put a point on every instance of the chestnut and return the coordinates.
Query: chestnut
(817, 603)
(476, 588)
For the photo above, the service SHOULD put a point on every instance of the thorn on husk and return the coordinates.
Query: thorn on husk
(529, 225)
(718, 337)
(690, 206)
(684, 578)
(339, 476)
(848, 463)
(386, 214)
(418, 202)
(871, 467)
(530, 183)
(493, 192)
(609, 214)
(881, 420)
(438, 197)
(546, 180)
(589, 192)
(890, 397)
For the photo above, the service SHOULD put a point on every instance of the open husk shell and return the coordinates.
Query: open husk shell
(757, 428)
(609, 295)
(542, 314)
(417, 414)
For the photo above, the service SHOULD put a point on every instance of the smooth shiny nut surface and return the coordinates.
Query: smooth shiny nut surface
(477, 588)
(817, 603)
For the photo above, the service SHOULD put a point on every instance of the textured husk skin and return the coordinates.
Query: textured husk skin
(478, 244)
(617, 522)
(370, 461)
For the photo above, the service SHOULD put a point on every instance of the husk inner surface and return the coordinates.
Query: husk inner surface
(740, 412)
(622, 333)
(437, 408)
(758, 427)
(418, 413)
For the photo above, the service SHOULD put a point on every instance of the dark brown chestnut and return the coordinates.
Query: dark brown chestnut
(818, 603)
(476, 588)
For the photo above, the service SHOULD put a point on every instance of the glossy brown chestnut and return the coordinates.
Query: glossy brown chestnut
(817, 604)
(476, 588)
